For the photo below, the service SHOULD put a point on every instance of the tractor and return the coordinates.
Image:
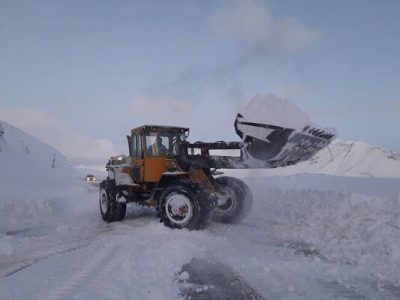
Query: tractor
(181, 179)
(158, 173)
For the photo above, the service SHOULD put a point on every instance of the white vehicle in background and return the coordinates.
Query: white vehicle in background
(90, 178)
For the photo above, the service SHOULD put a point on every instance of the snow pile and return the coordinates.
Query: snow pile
(337, 226)
(352, 228)
(23, 155)
(273, 110)
(355, 159)
(34, 182)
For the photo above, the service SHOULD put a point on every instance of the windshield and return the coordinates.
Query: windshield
(160, 143)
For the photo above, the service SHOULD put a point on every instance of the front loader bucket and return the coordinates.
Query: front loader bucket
(274, 133)
(270, 146)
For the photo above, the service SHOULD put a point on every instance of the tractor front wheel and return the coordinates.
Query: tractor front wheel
(110, 209)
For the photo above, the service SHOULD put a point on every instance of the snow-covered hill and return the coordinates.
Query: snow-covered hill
(25, 157)
(35, 178)
(345, 158)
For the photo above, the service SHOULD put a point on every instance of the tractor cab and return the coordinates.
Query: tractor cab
(154, 141)
(152, 149)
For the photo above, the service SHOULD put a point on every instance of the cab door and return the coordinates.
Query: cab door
(155, 163)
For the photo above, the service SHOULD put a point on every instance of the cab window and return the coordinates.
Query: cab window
(157, 145)
(136, 146)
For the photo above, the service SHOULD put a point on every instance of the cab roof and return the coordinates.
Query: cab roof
(158, 127)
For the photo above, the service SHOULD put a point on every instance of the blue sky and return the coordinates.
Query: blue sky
(80, 74)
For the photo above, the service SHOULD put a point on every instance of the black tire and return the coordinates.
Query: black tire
(195, 206)
(238, 204)
(110, 209)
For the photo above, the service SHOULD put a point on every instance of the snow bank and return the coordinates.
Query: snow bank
(347, 158)
(27, 158)
(343, 226)
(37, 183)
(41, 195)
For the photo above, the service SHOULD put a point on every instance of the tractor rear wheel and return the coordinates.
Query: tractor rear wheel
(235, 201)
(110, 209)
(185, 204)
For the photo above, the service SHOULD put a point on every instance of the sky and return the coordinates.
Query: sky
(80, 74)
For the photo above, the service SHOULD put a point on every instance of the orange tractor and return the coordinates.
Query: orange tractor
(180, 179)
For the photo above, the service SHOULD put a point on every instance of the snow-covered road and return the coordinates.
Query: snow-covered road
(296, 244)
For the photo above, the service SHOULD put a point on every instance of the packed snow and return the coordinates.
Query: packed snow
(308, 236)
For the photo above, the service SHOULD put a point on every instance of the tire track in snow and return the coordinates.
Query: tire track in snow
(80, 276)
(70, 246)
(118, 258)
(45, 255)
